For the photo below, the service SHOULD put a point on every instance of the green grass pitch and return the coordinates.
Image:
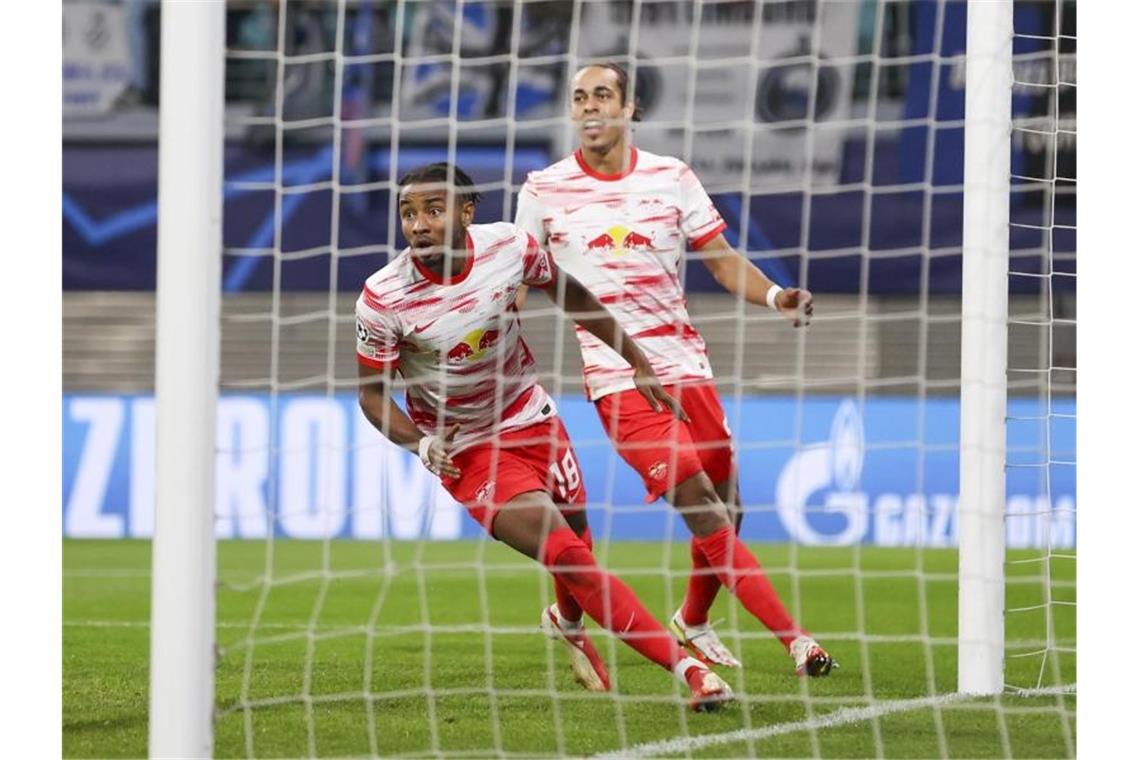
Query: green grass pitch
(364, 627)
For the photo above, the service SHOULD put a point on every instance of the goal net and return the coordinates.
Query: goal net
(360, 611)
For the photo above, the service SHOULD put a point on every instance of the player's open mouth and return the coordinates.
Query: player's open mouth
(593, 126)
(424, 247)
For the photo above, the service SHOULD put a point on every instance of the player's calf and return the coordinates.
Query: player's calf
(607, 600)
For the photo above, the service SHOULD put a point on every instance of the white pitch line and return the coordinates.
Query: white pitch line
(841, 717)
(146, 624)
(105, 573)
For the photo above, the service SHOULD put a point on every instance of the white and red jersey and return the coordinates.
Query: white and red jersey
(624, 237)
(457, 342)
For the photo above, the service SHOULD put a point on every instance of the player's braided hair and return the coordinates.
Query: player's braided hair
(443, 173)
(623, 85)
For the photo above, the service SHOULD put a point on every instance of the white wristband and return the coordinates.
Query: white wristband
(773, 293)
(425, 449)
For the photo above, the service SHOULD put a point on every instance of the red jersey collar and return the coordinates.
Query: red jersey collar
(455, 279)
(608, 177)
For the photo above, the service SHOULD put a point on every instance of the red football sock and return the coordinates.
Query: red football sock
(567, 607)
(611, 603)
(703, 588)
(739, 571)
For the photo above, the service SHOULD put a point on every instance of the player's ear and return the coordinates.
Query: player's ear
(467, 213)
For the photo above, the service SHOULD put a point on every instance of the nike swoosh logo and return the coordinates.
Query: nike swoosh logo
(629, 623)
(420, 328)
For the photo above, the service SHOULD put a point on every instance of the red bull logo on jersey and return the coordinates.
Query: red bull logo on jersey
(619, 240)
(473, 346)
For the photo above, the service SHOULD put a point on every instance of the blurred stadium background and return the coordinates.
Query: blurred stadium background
(110, 168)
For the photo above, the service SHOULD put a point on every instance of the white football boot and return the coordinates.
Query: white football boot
(588, 667)
(811, 659)
(707, 691)
(703, 642)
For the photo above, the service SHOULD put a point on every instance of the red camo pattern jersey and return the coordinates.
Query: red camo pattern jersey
(623, 237)
(458, 343)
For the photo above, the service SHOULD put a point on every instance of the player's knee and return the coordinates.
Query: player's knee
(696, 491)
(730, 496)
(700, 506)
(707, 521)
(577, 522)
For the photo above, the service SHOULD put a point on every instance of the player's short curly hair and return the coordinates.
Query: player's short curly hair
(623, 85)
(443, 173)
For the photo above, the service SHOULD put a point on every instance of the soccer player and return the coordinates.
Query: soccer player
(619, 220)
(442, 313)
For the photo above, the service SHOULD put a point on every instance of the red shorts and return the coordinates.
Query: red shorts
(664, 450)
(534, 458)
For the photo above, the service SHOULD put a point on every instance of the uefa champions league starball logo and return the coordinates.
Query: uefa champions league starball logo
(829, 471)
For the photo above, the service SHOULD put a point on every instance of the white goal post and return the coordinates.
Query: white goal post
(985, 305)
(186, 378)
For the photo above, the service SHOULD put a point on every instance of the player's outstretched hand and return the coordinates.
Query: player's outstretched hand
(650, 387)
(795, 304)
(436, 457)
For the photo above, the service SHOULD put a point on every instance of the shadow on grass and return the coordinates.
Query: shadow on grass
(128, 720)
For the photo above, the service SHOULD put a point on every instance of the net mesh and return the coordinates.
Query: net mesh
(1043, 192)
(829, 135)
